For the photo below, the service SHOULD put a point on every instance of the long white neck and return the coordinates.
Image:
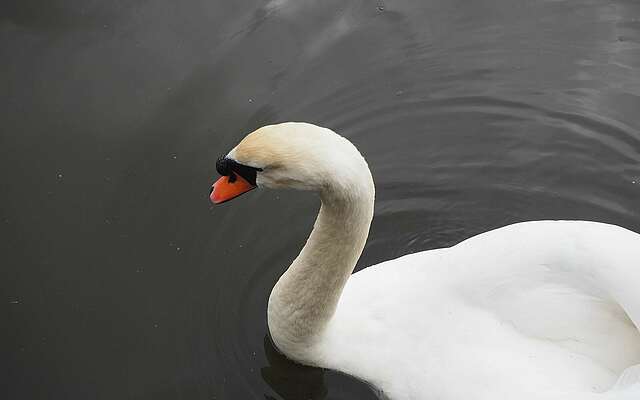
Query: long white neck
(305, 298)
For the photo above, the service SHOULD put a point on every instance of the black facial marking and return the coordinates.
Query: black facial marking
(228, 167)
(223, 167)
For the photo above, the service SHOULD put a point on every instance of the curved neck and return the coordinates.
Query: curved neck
(306, 295)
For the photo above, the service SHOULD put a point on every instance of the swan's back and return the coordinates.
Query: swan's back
(541, 308)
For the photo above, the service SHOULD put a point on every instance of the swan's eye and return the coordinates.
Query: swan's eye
(228, 167)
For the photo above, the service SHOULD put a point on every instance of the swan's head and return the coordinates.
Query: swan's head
(291, 155)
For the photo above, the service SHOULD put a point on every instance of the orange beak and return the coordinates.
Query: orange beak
(224, 190)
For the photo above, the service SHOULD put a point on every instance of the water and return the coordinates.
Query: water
(119, 280)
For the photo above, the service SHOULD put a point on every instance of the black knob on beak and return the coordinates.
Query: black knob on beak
(223, 166)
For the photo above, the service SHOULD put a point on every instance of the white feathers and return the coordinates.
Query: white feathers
(512, 313)
(630, 377)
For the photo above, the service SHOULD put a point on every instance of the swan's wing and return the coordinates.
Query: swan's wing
(571, 283)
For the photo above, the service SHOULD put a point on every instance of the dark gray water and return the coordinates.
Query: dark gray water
(120, 281)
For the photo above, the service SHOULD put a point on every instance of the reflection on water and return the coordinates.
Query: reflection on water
(122, 282)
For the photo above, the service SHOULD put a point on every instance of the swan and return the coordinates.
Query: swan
(533, 310)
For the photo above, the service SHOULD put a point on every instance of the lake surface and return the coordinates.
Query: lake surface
(120, 281)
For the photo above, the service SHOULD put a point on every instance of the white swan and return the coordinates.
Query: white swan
(535, 310)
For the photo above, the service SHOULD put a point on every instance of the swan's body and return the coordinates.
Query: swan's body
(535, 310)
(525, 311)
